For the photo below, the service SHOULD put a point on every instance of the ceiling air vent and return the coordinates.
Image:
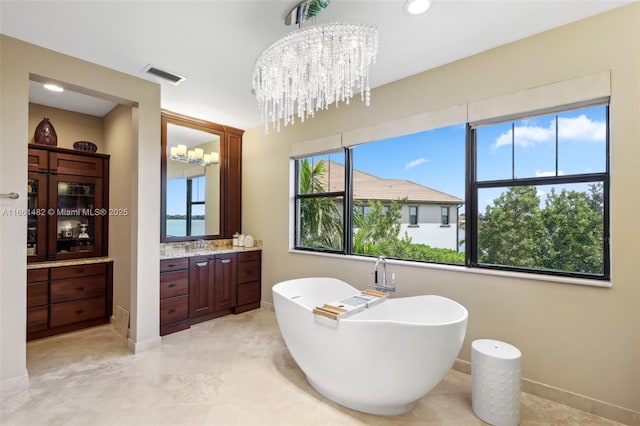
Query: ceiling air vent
(169, 76)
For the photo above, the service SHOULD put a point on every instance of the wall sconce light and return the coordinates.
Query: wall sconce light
(194, 156)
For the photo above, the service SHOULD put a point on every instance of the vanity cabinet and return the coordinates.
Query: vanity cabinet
(212, 282)
(174, 295)
(249, 286)
(200, 288)
(68, 194)
(67, 298)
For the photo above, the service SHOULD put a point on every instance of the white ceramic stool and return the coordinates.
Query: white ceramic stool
(495, 382)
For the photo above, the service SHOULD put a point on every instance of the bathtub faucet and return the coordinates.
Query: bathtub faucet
(383, 286)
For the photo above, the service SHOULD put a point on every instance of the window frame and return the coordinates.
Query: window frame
(473, 186)
(416, 216)
(448, 216)
(348, 202)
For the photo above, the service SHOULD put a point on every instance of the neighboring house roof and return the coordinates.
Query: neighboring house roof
(370, 187)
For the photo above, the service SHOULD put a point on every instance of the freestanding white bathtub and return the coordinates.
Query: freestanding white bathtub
(380, 360)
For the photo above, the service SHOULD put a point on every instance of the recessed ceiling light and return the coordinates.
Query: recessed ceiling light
(416, 7)
(53, 87)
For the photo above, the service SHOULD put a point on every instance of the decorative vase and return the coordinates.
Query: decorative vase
(45, 133)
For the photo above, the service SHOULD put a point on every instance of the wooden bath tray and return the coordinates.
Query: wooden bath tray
(350, 305)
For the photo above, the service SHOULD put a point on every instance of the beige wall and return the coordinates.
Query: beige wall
(581, 339)
(118, 136)
(18, 61)
(70, 126)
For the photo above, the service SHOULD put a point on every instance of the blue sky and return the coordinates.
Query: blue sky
(436, 158)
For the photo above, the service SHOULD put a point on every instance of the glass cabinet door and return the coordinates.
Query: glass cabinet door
(36, 216)
(78, 218)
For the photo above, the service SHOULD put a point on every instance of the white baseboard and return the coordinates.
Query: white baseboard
(561, 396)
(137, 347)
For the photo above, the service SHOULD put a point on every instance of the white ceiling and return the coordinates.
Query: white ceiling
(215, 43)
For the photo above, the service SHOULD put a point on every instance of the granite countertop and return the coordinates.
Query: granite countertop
(69, 262)
(181, 252)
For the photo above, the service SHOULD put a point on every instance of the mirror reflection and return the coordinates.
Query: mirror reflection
(192, 182)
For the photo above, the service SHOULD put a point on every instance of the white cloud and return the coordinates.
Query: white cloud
(577, 129)
(412, 164)
(581, 128)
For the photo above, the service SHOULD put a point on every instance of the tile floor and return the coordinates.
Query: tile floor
(234, 370)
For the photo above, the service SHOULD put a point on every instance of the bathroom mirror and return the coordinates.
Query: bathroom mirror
(192, 178)
(201, 179)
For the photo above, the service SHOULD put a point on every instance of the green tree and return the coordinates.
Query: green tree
(377, 231)
(511, 230)
(320, 218)
(573, 221)
(565, 235)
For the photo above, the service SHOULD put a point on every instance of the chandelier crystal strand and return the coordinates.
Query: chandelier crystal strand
(312, 68)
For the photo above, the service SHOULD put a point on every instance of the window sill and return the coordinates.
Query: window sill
(466, 270)
(445, 226)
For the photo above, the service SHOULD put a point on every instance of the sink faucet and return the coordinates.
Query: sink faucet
(384, 286)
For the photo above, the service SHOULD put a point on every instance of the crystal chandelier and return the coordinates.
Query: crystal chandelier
(311, 68)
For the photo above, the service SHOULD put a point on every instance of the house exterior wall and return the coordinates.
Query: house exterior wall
(430, 230)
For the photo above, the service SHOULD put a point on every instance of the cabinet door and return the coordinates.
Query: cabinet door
(76, 225)
(76, 164)
(38, 160)
(37, 217)
(225, 281)
(201, 279)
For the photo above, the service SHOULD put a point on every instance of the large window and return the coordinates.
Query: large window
(320, 202)
(527, 195)
(539, 191)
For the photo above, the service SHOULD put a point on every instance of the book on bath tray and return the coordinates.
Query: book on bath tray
(350, 305)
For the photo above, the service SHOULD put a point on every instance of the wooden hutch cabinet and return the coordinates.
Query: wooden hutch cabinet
(67, 220)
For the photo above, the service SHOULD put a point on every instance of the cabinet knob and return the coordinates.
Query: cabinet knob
(202, 263)
(226, 260)
(172, 311)
(80, 270)
(79, 311)
(79, 288)
(172, 265)
(172, 285)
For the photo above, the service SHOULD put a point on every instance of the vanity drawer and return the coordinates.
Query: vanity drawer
(37, 319)
(34, 275)
(37, 294)
(77, 288)
(248, 256)
(78, 271)
(174, 309)
(76, 311)
(249, 292)
(174, 283)
(248, 271)
(174, 264)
